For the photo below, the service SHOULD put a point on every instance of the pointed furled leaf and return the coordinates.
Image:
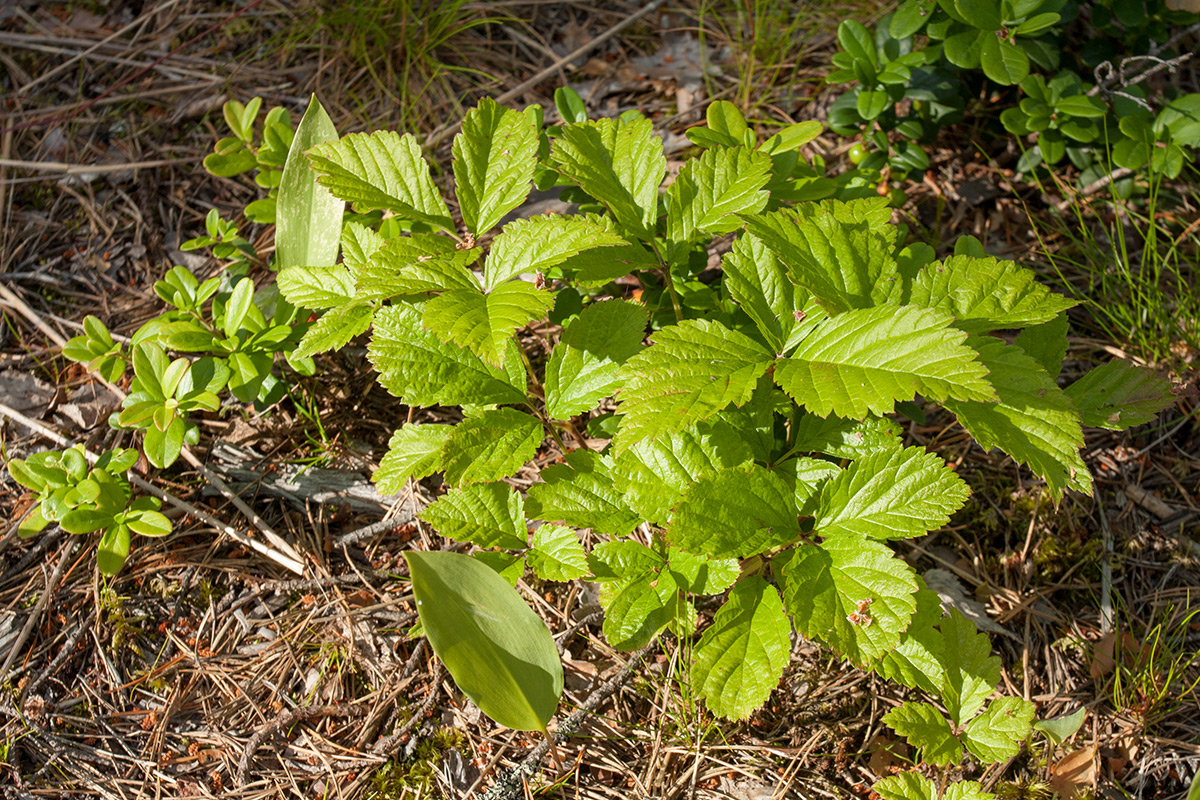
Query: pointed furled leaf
(1118, 395)
(537, 244)
(308, 218)
(972, 672)
(996, 735)
(484, 514)
(864, 360)
(691, 371)
(891, 495)
(316, 288)
(740, 658)
(416, 366)
(581, 493)
(495, 155)
(1034, 421)
(926, 730)
(760, 284)
(917, 661)
(485, 323)
(825, 584)
(836, 251)
(618, 162)
(655, 472)
(986, 294)
(335, 329)
(414, 451)
(1046, 343)
(497, 650)
(382, 170)
(556, 554)
(359, 244)
(582, 369)
(423, 262)
(739, 511)
(846, 438)
(711, 189)
(490, 446)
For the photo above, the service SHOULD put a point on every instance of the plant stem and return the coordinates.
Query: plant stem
(669, 282)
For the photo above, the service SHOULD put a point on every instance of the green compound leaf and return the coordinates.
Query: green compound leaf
(484, 514)
(537, 244)
(414, 451)
(806, 476)
(490, 446)
(691, 371)
(308, 218)
(637, 608)
(906, 785)
(917, 661)
(927, 730)
(618, 162)
(508, 566)
(972, 672)
(701, 575)
(846, 438)
(421, 370)
(334, 329)
(359, 245)
(1034, 422)
(1046, 343)
(864, 360)
(382, 170)
(740, 658)
(711, 189)
(761, 286)
(891, 495)
(1118, 395)
(596, 266)
(986, 294)
(739, 511)
(583, 366)
(838, 251)
(582, 493)
(423, 262)
(655, 472)
(316, 288)
(996, 735)
(557, 554)
(494, 159)
(485, 323)
(825, 584)
(497, 650)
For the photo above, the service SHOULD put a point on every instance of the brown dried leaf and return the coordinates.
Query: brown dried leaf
(1074, 772)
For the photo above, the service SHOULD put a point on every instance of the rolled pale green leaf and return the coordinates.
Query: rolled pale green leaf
(416, 366)
(490, 446)
(691, 371)
(582, 493)
(711, 189)
(863, 361)
(996, 734)
(1118, 395)
(494, 158)
(618, 162)
(485, 514)
(414, 451)
(497, 650)
(526, 246)
(485, 323)
(556, 554)
(1059, 729)
(582, 369)
(308, 218)
(740, 658)
(1034, 421)
(891, 495)
(986, 294)
(824, 585)
(382, 170)
(739, 512)
(926, 730)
